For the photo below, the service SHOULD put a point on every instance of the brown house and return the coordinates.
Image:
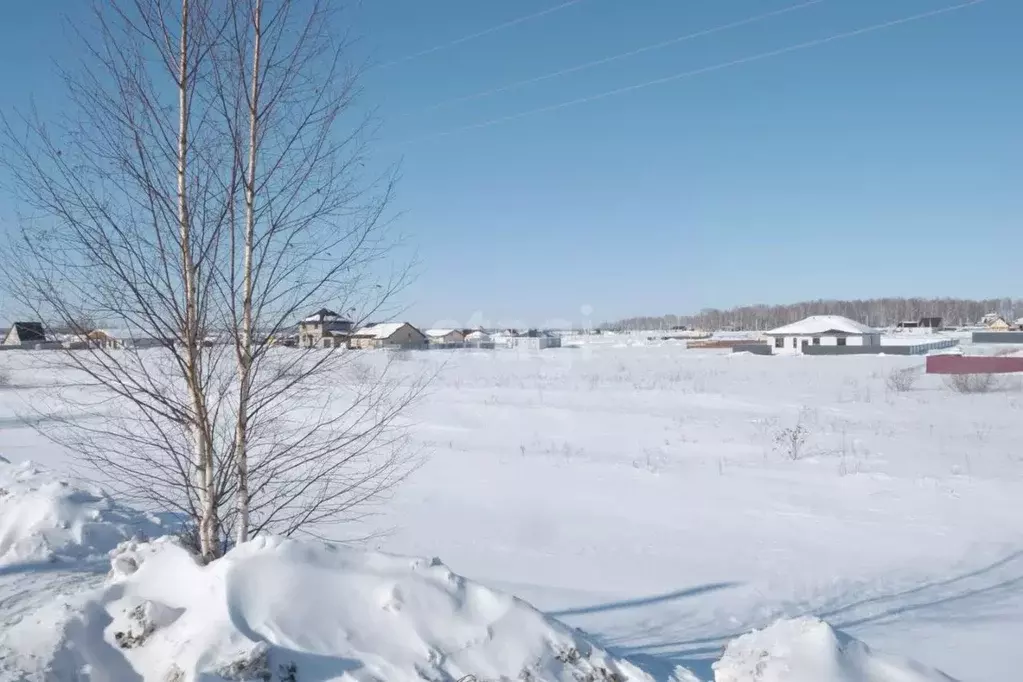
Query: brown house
(388, 335)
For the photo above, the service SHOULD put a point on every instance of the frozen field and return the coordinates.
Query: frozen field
(652, 496)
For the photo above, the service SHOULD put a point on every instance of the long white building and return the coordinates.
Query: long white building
(822, 330)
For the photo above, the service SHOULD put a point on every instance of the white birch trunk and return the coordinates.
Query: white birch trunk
(200, 443)
(245, 337)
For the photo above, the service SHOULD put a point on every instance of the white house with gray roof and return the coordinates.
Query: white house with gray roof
(822, 330)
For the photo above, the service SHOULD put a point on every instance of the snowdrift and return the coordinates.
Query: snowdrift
(290, 611)
(45, 519)
(280, 610)
(809, 650)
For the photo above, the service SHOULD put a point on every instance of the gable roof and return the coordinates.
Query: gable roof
(822, 324)
(321, 315)
(381, 330)
(28, 331)
(440, 333)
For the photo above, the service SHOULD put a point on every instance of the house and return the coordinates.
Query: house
(534, 339)
(926, 323)
(324, 329)
(823, 330)
(133, 338)
(479, 339)
(388, 335)
(994, 322)
(101, 338)
(114, 338)
(24, 334)
(444, 337)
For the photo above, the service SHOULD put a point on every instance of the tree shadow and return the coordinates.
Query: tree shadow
(36, 419)
(643, 601)
(658, 666)
(93, 567)
(973, 593)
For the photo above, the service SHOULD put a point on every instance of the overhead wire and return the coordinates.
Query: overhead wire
(478, 34)
(623, 55)
(696, 72)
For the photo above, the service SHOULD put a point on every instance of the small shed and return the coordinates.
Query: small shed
(822, 330)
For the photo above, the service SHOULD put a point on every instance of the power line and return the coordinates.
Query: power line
(701, 71)
(623, 55)
(478, 34)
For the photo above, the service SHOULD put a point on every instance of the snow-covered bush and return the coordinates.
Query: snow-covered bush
(902, 380)
(792, 440)
(972, 383)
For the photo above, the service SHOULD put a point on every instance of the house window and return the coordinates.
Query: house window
(816, 340)
(795, 342)
(779, 342)
(841, 340)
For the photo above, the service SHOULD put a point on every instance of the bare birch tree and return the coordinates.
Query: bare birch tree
(209, 190)
(307, 230)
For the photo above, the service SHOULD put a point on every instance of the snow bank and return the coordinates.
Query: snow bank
(286, 610)
(809, 650)
(43, 519)
(281, 610)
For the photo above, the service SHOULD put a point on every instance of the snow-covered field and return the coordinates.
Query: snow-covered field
(666, 501)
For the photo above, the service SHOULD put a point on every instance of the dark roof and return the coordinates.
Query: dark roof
(322, 314)
(29, 331)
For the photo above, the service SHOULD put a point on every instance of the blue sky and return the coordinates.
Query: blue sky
(888, 163)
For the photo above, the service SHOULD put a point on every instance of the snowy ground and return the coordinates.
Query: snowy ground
(637, 491)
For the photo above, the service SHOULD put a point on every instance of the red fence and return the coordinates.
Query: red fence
(972, 364)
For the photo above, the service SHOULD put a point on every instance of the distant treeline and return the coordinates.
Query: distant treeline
(877, 312)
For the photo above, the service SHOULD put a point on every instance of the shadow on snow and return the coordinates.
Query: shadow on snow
(974, 593)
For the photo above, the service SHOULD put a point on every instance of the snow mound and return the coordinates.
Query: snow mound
(809, 650)
(284, 610)
(44, 519)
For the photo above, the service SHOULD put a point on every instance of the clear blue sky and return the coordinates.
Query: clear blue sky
(888, 163)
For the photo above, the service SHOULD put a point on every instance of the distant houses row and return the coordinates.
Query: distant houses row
(323, 329)
(326, 329)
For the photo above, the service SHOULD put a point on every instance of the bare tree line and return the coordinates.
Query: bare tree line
(209, 179)
(878, 312)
